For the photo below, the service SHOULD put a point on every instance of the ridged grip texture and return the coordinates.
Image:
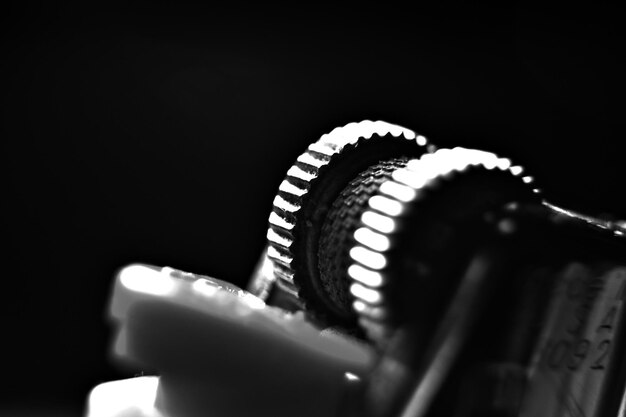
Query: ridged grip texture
(306, 194)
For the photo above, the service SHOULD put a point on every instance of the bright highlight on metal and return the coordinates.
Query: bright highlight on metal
(285, 205)
(351, 377)
(280, 221)
(398, 191)
(366, 276)
(366, 294)
(368, 258)
(371, 239)
(378, 222)
(129, 397)
(140, 278)
(386, 205)
(288, 187)
(205, 287)
(274, 237)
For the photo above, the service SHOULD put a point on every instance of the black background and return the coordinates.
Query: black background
(160, 133)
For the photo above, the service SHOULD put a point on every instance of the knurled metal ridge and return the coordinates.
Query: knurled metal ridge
(286, 224)
(336, 233)
(382, 220)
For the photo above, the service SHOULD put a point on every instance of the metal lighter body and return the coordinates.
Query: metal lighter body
(399, 280)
